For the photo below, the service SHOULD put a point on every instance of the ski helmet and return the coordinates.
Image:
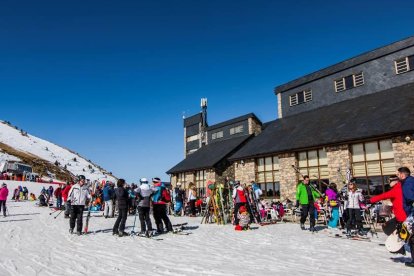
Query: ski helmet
(143, 180)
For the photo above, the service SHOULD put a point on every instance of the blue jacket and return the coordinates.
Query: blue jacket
(156, 196)
(108, 192)
(408, 195)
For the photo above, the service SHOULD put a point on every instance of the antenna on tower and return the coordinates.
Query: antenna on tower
(203, 121)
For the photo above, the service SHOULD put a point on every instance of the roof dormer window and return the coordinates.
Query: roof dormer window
(301, 97)
(349, 82)
(403, 65)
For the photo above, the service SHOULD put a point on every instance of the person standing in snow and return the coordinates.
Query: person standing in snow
(306, 197)
(4, 192)
(354, 210)
(121, 195)
(179, 195)
(58, 195)
(78, 195)
(108, 195)
(240, 199)
(407, 181)
(159, 206)
(192, 197)
(143, 193)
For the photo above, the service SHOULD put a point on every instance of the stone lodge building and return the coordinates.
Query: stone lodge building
(356, 115)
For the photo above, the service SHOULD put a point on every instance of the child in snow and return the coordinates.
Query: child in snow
(244, 219)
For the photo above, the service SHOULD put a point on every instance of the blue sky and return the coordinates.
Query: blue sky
(112, 79)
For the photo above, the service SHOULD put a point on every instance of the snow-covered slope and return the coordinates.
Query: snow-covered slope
(36, 147)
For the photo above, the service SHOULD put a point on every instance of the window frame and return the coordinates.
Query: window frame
(319, 167)
(273, 171)
(307, 97)
(358, 79)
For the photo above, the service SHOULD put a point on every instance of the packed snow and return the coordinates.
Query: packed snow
(34, 243)
(50, 152)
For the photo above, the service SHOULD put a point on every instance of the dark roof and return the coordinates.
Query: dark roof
(233, 121)
(365, 57)
(381, 114)
(209, 155)
(192, 120)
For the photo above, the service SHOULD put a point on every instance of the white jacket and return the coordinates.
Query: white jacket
(78, 195)
(354, 198)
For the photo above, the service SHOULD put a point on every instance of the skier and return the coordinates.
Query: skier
(306, 196)
(159, 205)
(333, 203)
(58, 195)
(240, 199)
(108, 195)
(179, 195)
(144, 193)
(192, 197)
(4, 192)
(121, 195)
(65, 194)
(78, 195)
(354, 211)
(404, 174)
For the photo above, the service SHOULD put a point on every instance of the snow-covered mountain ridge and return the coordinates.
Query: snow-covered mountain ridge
(44, 156)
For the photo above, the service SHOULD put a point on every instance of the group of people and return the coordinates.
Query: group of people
(401, 195)
(156, 195)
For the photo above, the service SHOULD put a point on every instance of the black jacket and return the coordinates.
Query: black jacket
(122, 197)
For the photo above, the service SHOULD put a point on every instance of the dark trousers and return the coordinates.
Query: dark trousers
(76, 214)
(236, 211)
(192, 207)
(160, 215)
(308, 209)
(59, 202)
(3, 205)
(119, 225)
(67, 208)
(354, 218)
(144, 218)
(411, 243)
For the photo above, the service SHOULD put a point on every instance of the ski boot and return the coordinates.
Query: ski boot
(78, 233)
(409, 264)
(142, 234)
(361, 233)
(312, 229)
(71, 231)
(122, 234)
(148, 233)
(302, 226)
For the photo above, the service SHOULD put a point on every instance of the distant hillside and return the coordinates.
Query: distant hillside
(45, 157)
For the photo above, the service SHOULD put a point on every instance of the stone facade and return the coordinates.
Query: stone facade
(338, 159)
(288, 176)
(403, 152)
(254, 127)
(245, 171)
(210, 175)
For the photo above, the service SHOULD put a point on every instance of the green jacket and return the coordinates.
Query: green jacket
(302, 194)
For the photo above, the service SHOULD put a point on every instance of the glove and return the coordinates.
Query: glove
(297, 204)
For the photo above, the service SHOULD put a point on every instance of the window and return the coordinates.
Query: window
(403, 65)
(200, 178)
(181, 179)
(237, 129)
(217, 135)
(301, 97)
(349, 82)
(372, 163)
(268, 175)
(314, 163)
(192, 138)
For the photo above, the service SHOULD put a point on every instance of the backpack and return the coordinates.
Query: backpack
(165, 196)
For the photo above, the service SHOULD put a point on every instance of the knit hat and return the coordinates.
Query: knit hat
(156, 180)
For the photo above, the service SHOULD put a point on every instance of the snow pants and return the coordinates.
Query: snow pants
(3, 205)
(119, 225)
(333, 221)
(192, 207)
(108, 208)
(308, 209)
(76, 215)
(354, 218)
(178, 206)
(160, 215)
(144, 218)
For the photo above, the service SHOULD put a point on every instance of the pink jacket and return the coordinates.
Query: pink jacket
(4, 192)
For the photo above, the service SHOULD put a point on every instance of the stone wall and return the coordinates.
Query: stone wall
(338, 158)
(403, 152)
(254, 127)
(210, 175)
(245, 171)
(288, 176)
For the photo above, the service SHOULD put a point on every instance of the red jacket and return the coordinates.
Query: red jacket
(65, 192)
(396, 197)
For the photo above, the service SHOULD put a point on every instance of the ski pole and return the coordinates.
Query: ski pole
(53, 212)
(58, 214)
(135, 220)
